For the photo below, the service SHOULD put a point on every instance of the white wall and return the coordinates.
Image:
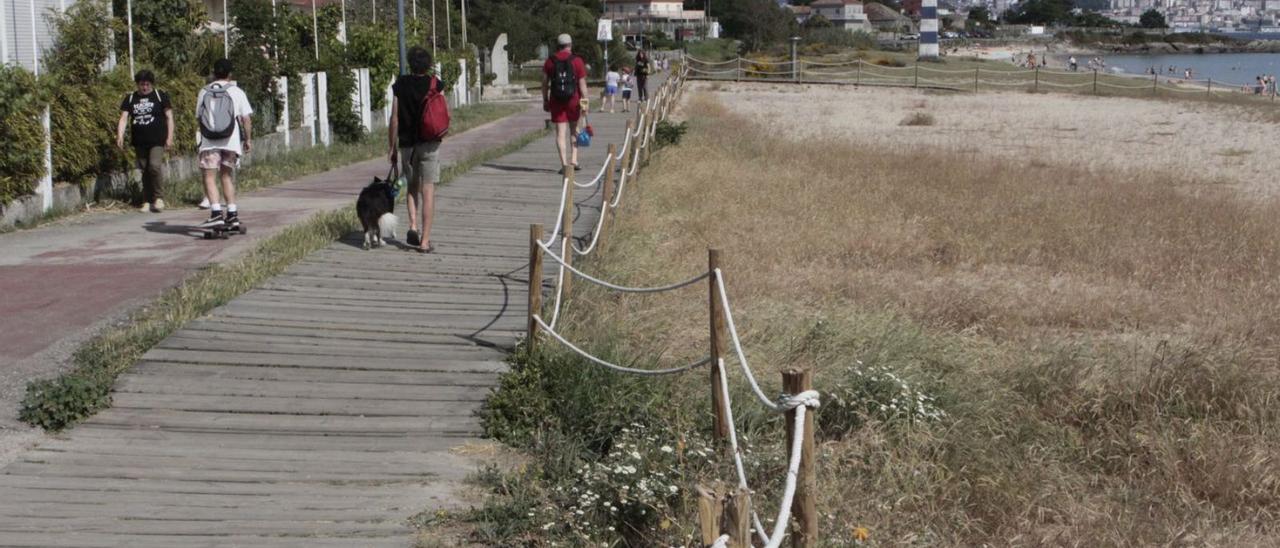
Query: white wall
(16, 30)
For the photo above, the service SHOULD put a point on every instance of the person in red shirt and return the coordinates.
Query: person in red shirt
(564, 95)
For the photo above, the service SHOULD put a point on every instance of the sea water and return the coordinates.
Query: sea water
(1227, 68)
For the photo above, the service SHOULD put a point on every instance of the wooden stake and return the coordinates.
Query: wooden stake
(738, 519)
(709, 514)
(566, 224)
(611, 164)
(719, 345)
(627, 152)
(804, 507)
(535, 282)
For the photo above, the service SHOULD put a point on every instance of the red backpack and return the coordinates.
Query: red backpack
(435, 114)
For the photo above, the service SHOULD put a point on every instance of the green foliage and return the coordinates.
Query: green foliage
(837, 38)
(757, 23)
(373, 47)
(817, 22)
(1041, 12)
(84, 101)
(346, 125)
(1152, 19)
(668, 134)
(164, 32)
(54, 404)
(21, 133)
(252, 56)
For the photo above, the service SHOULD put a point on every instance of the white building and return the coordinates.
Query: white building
(846, 14)
(635, 17)
(25, 30)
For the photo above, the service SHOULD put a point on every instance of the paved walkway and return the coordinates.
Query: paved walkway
(323, 408)
(59, 283)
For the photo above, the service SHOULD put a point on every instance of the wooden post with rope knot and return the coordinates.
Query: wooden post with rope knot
(566, 229)
(719, 345)
(805, 505)
(610, 165)
(535, 284)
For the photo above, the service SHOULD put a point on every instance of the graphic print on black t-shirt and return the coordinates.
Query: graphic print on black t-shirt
(146, 117)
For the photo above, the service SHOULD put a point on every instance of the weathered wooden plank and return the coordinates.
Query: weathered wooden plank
(181, 373)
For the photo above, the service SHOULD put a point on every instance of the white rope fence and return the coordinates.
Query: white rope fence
(637, 142)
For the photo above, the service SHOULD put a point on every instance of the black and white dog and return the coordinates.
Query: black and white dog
(374, 207)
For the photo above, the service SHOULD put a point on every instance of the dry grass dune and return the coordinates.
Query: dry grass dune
(1103, 341)
(1210, 143)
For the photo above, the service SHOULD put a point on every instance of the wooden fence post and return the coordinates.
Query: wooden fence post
(1155, 82)
(719, 344)
(738, 517)
(629, 150)
(535, 283)
(608, 190)
(1095, 81)
(917, 75)
(1209, 89)
(1036, 87)
(566, 230)
(858, 79)
(709, 514)
(976, 72)
(804, 507)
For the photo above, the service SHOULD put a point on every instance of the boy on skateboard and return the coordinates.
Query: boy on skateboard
(226, 131)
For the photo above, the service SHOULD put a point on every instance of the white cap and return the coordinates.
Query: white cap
(564, 40)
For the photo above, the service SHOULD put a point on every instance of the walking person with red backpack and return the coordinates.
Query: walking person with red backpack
(226, 131)
(419, 122)
(564, 95)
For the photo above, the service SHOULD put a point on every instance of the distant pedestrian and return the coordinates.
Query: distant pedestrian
(418, 155)
(643, 67)
(149, 114)
(226, 133)
(564, 95)
(628, 81)
(611, 81)
(1073, 63)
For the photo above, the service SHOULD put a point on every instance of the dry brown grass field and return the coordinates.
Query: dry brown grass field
(1089, 289)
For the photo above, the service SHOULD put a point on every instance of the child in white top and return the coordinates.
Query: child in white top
(611, 80)
(626, 89)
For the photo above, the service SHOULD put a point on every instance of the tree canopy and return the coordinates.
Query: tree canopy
(1152, 19)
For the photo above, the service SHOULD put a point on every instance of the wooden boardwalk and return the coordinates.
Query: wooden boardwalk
(323, 408)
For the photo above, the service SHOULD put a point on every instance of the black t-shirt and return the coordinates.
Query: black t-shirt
(410, 90)
(642, 67)
(146, 116)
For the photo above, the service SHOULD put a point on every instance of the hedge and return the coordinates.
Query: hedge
(21, 134)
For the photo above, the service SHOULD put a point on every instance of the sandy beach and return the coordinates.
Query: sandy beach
(1198, 145)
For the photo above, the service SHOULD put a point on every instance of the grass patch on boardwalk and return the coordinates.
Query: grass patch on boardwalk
(57, 403)
(1008, 353)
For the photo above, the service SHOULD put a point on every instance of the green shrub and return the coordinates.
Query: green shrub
(84, 101)
(21, 134)
(371, 46)
(668, 133)
(54, 404)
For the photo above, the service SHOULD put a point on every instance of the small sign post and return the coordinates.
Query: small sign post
(604, 33)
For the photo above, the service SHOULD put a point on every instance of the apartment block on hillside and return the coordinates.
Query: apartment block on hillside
(846, 14)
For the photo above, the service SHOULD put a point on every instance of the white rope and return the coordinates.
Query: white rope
(595, 236)
(944, 71)
(623, 151)
(555, 310)
(696, 60)
(1080, 85)
(800, 403)
(616, 367)
(737, 343)
(1122, 87)
(994, 83)
(624, 289)
(838, 64)
(722, 542)
(622, 182)
(887, 67)
(559, 214)
(599, 176)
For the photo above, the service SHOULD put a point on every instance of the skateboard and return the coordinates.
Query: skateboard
(224, 232)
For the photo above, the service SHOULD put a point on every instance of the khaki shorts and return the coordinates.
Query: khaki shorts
(211, 159)
(420, 163)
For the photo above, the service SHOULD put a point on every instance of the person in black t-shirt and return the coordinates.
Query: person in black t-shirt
(150, 115)
(419, 160)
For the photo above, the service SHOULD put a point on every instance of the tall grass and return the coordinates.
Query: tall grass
(1101, 348)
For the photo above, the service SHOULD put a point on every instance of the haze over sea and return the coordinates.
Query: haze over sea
(1227, 68)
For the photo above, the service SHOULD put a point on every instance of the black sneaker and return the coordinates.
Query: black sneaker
(232, 219)
(216, 220)
(413, 239)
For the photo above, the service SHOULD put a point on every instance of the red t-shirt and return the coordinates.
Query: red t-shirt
(579, 70)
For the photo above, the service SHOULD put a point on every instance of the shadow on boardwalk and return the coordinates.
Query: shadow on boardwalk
(323, 408)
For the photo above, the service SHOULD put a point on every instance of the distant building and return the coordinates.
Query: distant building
(845, 14)
(802, 13)
(636, 17)
(885, 19)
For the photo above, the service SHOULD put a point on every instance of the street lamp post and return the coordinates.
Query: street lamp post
(464, 23)
(315, 29)
(128, 13)
(226, 32)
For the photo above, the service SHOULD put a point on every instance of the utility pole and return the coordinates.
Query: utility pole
(464, 23)
(400, 23)
(433, 29)
(226, 32)
(448, 25)
(315, 28)
(128, 12)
